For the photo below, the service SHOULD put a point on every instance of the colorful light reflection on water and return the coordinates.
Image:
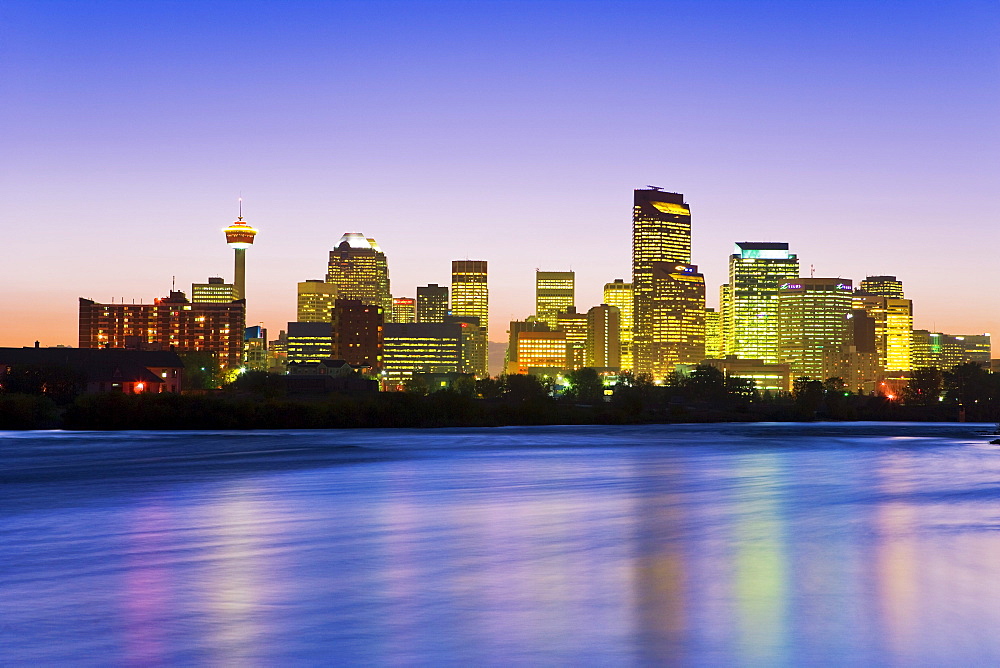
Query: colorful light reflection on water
(753, 545)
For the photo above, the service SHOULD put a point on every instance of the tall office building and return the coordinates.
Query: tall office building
(357, 333)
(215, 291)
(404, 310)
(713, 334)
(893, 328)
(540, 353)
(473, 343)
(813, 325)
(555, 292)
(169, 323)
(619, 293)
(575, 326)
(432, 303)
(750, 311)
(677, 310)
(470, 297)
(883, 286)
(661, 235)
(359, 270)
(315, 300)
(603, 338)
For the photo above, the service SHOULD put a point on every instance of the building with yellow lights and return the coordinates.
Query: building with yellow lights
(308, 342)
(432, 303)
(813, 324)
(946, 351)
(555, 293)
(215, 291)
(884, 286)
(169, 323)
(669, 293)
(470, 297)
(541, 353)
(404, 309)
(603, 349)
(713, 334)
(423, 347)
(750, 306)
(619, 294)
(359, 270)
(893, 328)
(315, 300)
(574, 325)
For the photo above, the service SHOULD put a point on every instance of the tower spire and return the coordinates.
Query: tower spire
(241, 208)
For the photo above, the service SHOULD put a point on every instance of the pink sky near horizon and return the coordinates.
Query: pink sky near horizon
(510, 132)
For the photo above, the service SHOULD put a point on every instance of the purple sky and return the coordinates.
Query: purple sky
(864, 134)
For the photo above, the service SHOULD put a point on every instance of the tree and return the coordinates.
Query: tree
(201, 371)
(808, 396)
(705, 382)
(522, 387)
(924, 387)
(585, 385)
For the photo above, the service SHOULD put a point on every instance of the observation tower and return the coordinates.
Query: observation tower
(240, 236)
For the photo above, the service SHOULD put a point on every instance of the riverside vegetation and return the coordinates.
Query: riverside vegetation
(45, 399)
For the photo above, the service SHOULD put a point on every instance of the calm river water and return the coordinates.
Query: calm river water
(716, 545)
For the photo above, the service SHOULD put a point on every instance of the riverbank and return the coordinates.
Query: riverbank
(225, 411)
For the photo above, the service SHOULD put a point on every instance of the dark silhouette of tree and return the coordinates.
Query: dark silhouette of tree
(924, 387)
(585, 385)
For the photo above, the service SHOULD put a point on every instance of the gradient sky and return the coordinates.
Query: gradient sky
(864, 134)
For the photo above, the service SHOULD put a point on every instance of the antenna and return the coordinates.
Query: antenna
(241, 207)
(173, 283)
(812, 271)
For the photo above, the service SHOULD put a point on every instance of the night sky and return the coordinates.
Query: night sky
(864, 134)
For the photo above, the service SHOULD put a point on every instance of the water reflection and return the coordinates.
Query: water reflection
(857, 550)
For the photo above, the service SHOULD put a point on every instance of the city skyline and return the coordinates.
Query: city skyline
(524, 128)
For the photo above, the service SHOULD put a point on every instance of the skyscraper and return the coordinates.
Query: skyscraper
(603, 337)
(315, 300)
(239, 237)
(893, 328)
(575, 327)
(432, 303)
(750, 311)
(677, 310)
(555, 292)
(619, 293)
(359, 270)
(357, 333)
(470, 296)
(661, 234)
(813, 324)
(713, 334)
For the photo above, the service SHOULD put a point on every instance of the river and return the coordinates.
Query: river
(693, 545)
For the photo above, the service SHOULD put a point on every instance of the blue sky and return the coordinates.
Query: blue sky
(864, 134)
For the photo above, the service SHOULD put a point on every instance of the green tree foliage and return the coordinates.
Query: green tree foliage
(585, 385)
(201, 371)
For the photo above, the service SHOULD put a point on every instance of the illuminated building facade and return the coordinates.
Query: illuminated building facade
(215, 291)
(661, 235)
(575, 327)
(750, 310)
(514, 331)
(555, 293)
(946, 351)
(255, 348)
(677, 303)
(359, 270)
(470, 297)
(813, 324)
(603, 349)
(619, 294)
(893, 328)
(473, 344)
(432, 303)
(422, 347)
(883, 286)
(713, 334)
(169, 323)
(541, 352)
(240, 237)
(357, 333)
(404, 310)
(308, 342)
(315, 300)
(766, 377)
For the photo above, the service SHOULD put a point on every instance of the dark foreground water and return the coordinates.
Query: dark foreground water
(757, 545)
